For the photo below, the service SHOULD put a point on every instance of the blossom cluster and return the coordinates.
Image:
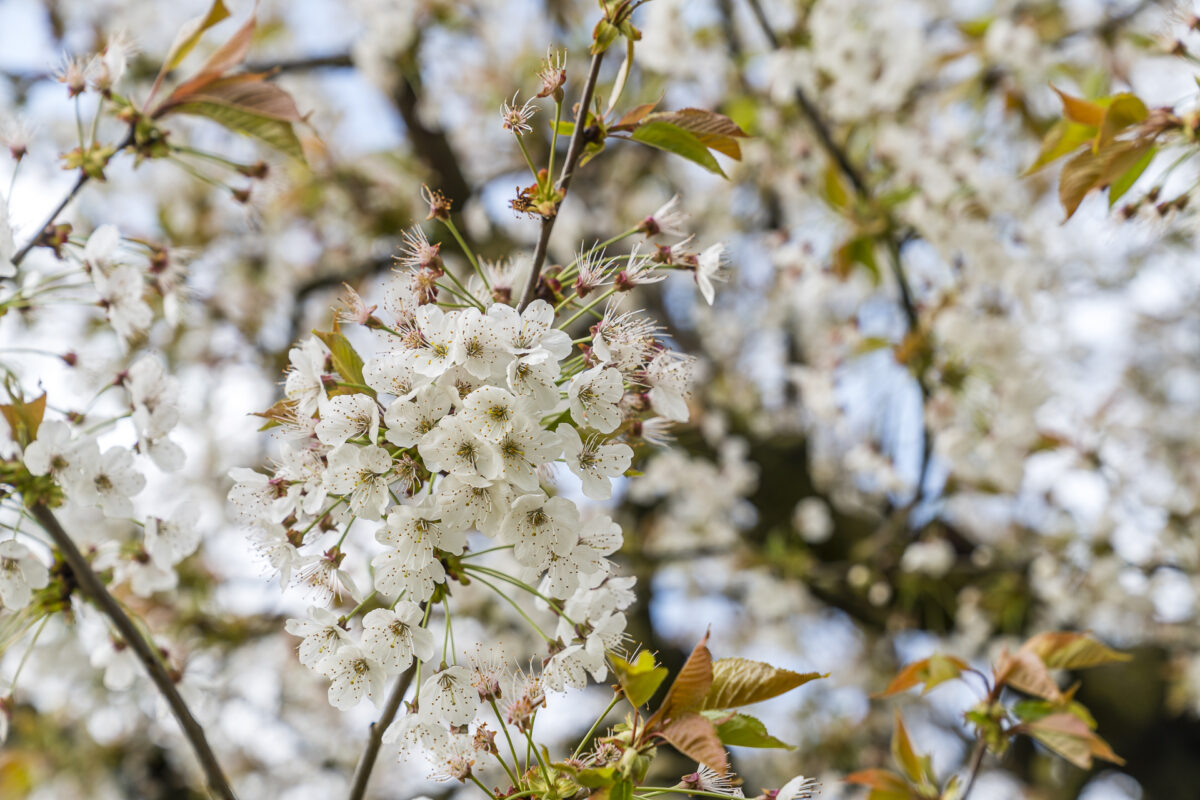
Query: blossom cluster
(453, 426)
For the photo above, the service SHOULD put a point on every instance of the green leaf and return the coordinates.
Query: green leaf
(189, 35)
(604, 34)
(1129, 177)
(639, 679)
(1064, 137)
(1123, 110)
(346, 362)
(739, 682)
(596, 777)
(742, 730)
(274, 132)
(674, 139)
(1071, 738)
(918, 769)
(930, 671)
(715, 131)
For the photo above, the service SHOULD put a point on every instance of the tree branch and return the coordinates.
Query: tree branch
(574, 152)
(973, 770)
(83, 179)
(94, 589)
(362, 773)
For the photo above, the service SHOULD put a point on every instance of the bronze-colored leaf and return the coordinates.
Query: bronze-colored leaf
(689, 688)
(1066, 650)
(738, 682)
(1077, 109)
(696, 738)
(715, 131)
(1023, 670)
(1070, 737)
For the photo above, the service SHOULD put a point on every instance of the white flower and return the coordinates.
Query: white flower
(454, 447)
(119, 662)
(708, 269)
(154, 396)
(448, 695)
(56, 453)
(363, 474)
(419, 730)
(569, 667)
(516, 118)
(101, 248)
(394, 637)
(434, 353)
(412, 565)
(408, 421)
(321, 578)
(348, 416)
(168, 542)
(320, 635)
(464, 506)
(492, 411)
(799, 788)
(352, 674)
(270, 541)
(391, 373)
(531, 331)
(602, 537)
(304, 384)
(593, 397)
(122, 294)
(534, 378)
(669, 376)
(594, 461)
(522, 450)
(539, 526)
(477, 347)
(257, 497)
(20, 574)
(669, 219)
(109, 480)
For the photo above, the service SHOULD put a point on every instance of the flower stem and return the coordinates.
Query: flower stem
(583, 743)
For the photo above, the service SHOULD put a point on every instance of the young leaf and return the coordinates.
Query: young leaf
(1064, 650)
(23, 418)
(930, 671)
(187, 38)
(1079, 110)
(1025, 671)
(884, 785)
(1063, 137)
(346, 362)
(738, 682)
(715, 131)
(689, 688)
(640, 679)
(673, 139)
(918, 769)
(1071, 738)
(696, 738)
(1123, 111)
(283, 410)
(604, 34)
(1128, 178)
(742, 730)
(227, 56)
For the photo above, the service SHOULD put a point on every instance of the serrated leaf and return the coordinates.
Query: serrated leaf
(738, 682)
(640, 679)
(696, 737)
(673, 139)
(346, 361)
(742, 730)
(688, 689)
(715, 131)
(1066, 650)
(1071, 738)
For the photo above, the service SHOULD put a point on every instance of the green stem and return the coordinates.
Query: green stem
(467, 252)
(569, 270)
(513, 603)
(563, 325)
(486, 790)
(32, 642)
(511, 747)
(528, 160)
(583, 743)
(554, 136)
(520, 584)
(359, 607)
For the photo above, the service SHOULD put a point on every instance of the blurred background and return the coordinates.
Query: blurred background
(1003, 442)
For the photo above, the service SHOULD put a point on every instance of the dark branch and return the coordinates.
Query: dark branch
(574, 152)
(94, 589)
(362, 774)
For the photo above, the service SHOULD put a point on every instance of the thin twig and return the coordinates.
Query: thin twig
(94, 589)
(973, 770)
(574, 152)
(362, 773)
(83, 179)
